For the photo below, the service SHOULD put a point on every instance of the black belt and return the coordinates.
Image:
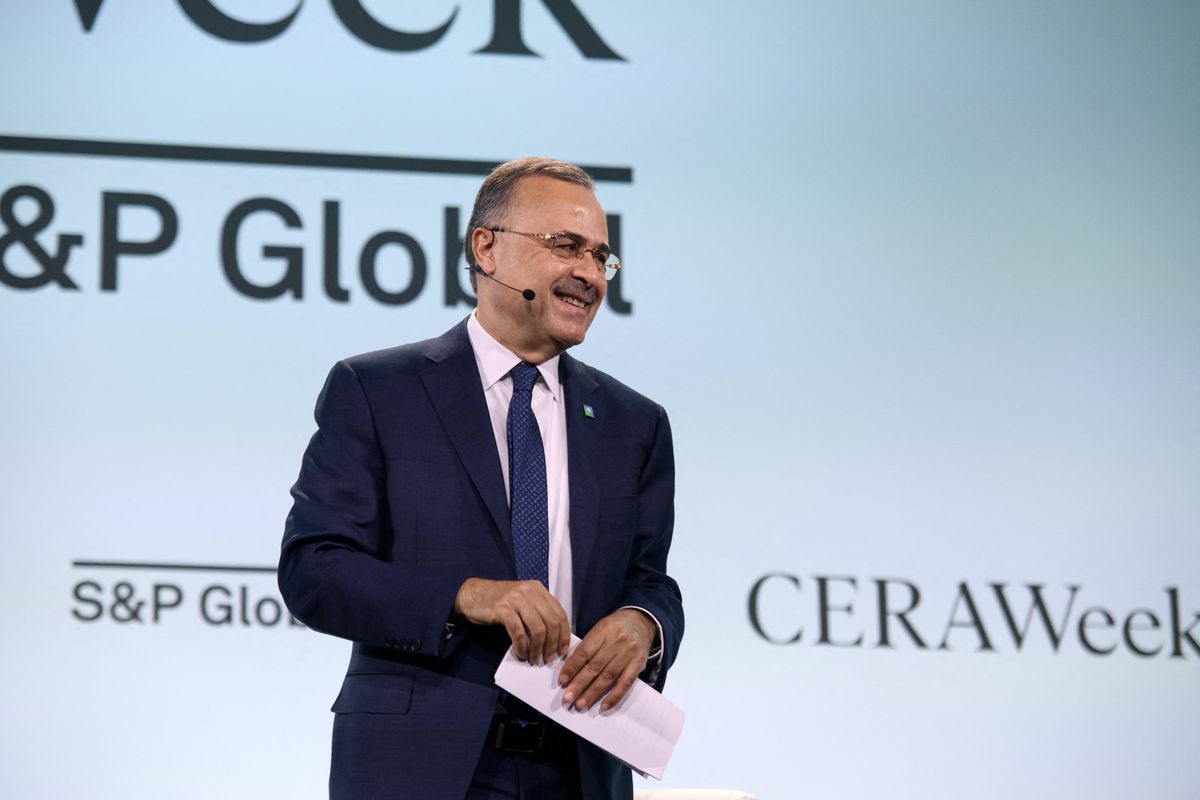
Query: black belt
(527, 736)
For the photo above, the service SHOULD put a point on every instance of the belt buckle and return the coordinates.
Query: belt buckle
(513, 737)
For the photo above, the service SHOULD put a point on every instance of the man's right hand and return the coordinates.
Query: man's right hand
(534, 619)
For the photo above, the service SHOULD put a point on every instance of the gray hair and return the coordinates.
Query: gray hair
(492, 201)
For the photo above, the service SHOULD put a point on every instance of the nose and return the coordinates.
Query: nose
(591, 271)
(585, 270)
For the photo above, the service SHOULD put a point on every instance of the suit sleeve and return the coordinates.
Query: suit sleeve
(647, 585)
(333, 571)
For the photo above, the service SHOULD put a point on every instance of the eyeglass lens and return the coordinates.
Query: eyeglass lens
(570, 248)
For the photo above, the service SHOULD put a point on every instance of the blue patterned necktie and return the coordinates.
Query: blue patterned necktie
(527, 480)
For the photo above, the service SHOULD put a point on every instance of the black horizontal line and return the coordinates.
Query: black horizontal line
(276, 158)
(159, 566)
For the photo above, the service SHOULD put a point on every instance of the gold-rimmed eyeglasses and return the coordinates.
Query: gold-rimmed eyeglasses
(569, 247)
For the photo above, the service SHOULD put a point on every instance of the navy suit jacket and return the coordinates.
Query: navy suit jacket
(401, 498)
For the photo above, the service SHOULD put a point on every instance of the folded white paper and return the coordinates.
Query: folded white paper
(641, 731)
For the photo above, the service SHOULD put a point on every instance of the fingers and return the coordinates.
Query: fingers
(623, 685)
(535, 620)
(516, 632)
(579, 659)
(539, 621)
(593, 680)
(546, 622)
(605, 664)
(547, 625)
(558, 644)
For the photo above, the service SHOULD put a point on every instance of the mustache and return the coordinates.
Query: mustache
(576, 288)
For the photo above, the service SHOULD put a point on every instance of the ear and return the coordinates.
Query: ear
(482, 241)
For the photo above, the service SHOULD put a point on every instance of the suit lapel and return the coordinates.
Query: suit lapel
(452, 381)
(583, 436)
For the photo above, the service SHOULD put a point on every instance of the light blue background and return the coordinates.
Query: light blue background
(919, 284)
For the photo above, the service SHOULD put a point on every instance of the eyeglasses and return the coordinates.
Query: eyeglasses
(569, 247)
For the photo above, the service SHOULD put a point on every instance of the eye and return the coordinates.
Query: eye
(566, 246)
(600, 256)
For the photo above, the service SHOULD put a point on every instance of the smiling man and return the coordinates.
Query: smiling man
(480, 490)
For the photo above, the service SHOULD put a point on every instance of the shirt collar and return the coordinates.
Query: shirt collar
(495, 361)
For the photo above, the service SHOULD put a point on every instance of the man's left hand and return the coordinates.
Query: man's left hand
(608, 660)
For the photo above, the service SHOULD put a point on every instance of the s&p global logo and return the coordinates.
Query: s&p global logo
(506, 38)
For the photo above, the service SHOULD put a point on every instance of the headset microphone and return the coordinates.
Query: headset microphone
(528, 294)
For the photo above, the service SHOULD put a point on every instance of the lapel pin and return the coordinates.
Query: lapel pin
(588, 411)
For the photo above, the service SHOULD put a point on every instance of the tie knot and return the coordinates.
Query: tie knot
(524, 376)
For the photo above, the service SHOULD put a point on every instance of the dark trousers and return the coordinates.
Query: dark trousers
(551, 775)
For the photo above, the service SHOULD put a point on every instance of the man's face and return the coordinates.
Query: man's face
(568, 292)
